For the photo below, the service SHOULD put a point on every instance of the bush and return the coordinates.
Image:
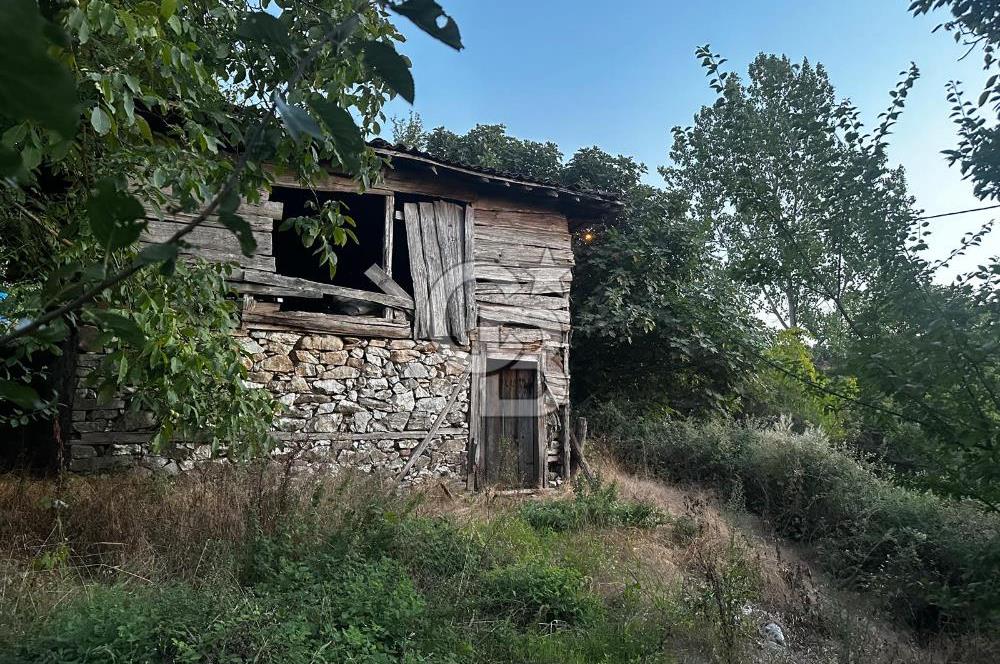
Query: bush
(933, 560)
(536, 593)
(594, 505)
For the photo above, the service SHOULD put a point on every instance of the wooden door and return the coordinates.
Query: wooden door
(510, 428)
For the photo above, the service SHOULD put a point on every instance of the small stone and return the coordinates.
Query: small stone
(415, 370)
(307, 370)
(83, 451)
(330, 386)
(277, 363)
(327, 423)
(341, 373)
(401, 344)
(433, 359)
(324, 342)
(360, 421)
(355, 362)
(260, 376)
(431, 404)
(403, 402)
(298, 384)
(305, 356)
(452, 368)
(773, 633)
(348, 407)
(403, 356)
(376, 351)
(250, 346)
(334, 358)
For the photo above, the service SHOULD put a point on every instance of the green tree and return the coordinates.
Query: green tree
(804, 207)
(107, 105)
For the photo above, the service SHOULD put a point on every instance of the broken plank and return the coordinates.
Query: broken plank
(255, 277)
(421, 287)
(435, 272)
(547, 302)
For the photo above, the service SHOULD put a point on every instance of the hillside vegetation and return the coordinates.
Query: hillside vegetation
(234, 566)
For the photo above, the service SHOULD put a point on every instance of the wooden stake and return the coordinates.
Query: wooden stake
(419, 449)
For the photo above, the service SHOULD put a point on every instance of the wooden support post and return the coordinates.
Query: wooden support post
(390, 209)
(567, 454)
(419, 449)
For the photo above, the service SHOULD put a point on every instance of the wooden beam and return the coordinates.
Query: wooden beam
(419, 449)
(269, 318)
(468, 267)
(542, 429)
(267, 278)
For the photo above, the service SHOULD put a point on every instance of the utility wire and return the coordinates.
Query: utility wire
(951, 214)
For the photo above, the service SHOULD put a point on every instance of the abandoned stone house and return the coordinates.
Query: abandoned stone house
(440, 348)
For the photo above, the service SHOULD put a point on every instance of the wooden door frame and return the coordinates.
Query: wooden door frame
(481, 357)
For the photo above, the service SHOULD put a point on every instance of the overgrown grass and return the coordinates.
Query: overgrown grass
(933, 561)
(309, 572)
(594, 505)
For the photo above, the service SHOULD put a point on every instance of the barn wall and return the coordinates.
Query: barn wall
(348, 402)
(361, 392)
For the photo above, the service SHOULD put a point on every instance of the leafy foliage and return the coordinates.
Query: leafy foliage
(174, 339)
(112, 110)
(975, 24)
(930, 559)
(592, 506)
(804, 207)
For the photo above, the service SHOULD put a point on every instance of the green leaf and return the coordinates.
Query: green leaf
(241, 229)
(261, 26)
(296, 120)
(157, 253)
(10, 162)
(33, 85)
(167, 8)
(426, 15)
(19, 394)
(100, 120)
(122, 327)
(116, 217)
(391, 66)
(345, 133)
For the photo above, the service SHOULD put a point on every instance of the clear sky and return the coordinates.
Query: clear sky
(620, 74)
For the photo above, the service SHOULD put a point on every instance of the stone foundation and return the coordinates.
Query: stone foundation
(347, 403)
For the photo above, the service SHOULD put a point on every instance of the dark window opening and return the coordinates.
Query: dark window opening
(292, 259)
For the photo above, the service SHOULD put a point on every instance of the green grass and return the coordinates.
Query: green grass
(377, 584)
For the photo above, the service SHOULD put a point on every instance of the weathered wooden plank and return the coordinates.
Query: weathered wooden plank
(205, 237)
(434, 268)
(544, 222)
(381, 279)
(274, 291)
(468, 269)
(257, 223)
(523, 237)
(500, 288)
(514, 253)
(262, 263)
(549, 320)
(418, 271)
(524, 275)
(502, 334)
(372, 435)
(329, 182)
(541, 437)
(478, 364)
(265, 318)
(387, 244)
(547, 302)
(447, 219)
(257, 277)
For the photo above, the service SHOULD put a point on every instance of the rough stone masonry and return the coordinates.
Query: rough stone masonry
(347, 402)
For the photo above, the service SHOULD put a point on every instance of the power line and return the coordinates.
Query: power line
(951, 214)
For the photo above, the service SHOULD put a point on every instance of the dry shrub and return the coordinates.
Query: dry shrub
(162, 527)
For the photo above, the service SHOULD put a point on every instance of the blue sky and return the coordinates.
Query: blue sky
(621, 74)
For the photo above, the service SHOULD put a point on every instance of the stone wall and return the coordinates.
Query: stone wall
(347, 402)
